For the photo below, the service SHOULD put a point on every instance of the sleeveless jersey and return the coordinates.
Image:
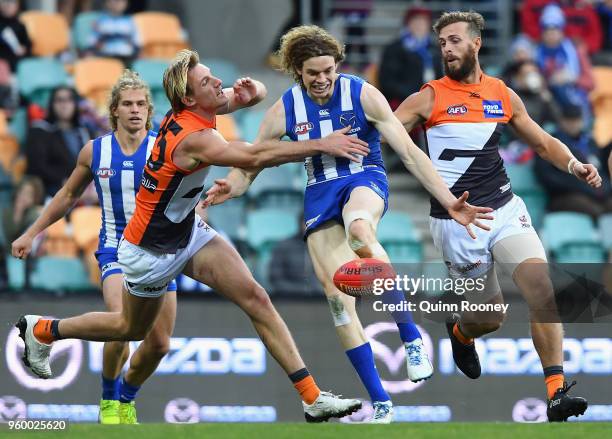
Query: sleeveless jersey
(117, 178)
(463, 135)
(305, 119)
(168, 195)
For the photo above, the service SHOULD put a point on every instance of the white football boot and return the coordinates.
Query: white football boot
(328, 405)
(36, 355)
(417, 361)
(383, 412)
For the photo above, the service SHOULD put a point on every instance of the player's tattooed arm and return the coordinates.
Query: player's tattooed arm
(245, 92)
(61, 203)
(548, 147)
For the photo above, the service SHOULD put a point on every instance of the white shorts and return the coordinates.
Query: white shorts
(467, 257)
(148, 273)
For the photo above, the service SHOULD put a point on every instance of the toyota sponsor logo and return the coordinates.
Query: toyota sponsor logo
(65, 353)
(11, 408)
(182, 411)
(394, 358)
(529, 410)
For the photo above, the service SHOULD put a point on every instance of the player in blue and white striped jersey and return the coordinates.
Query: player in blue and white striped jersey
(114, 162)
(344, 201)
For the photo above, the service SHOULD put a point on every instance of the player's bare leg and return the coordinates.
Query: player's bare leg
(146, 358)
(328, 250)
(132, 323)
(220, 266)
(361, 215)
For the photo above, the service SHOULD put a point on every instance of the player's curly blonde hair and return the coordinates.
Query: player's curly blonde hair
(304, 42)
(175, 77)
(128, 80)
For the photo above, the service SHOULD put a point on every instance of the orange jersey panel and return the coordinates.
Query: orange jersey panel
(455, 102)
(168, 195)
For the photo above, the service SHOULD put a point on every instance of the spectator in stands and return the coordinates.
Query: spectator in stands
(413, 48)
(115, 34)
(14, 41)
(525, 79)
(564, 193)
(16, 218)
(53, 144)
(291, 271)
(583, 24)
(522, 49)
(565, 66)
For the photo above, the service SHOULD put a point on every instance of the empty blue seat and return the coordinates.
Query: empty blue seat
(525, 185)
(38, 76)
(60, 274)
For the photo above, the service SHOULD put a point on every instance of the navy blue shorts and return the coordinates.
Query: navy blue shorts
(324, 201)
(107, 261)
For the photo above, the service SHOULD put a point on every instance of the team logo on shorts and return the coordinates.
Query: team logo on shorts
(492, 109)
(457, 110)
(106, 172)
(303, 128)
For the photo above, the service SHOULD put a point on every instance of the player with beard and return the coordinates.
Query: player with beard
(464, 114)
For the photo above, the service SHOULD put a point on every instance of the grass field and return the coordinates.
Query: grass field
(331, 431)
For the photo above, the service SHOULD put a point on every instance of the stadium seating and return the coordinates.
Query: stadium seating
(82, 29)
(9, 153)
(275, 188)
(571, 237)
(18, 126)
(225, 70)
(94, 78)
(59, 241)
(250, 122)
(266, 227)
(60, 274)
(152, 72)
(399, 237)
(49, 32)
(16, 269)
(525, 185)
(605, 230)
(86, 222)
(36, 78)
(160, 34)
(601, 100)
(227, 127)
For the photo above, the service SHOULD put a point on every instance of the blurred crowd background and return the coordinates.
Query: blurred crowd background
(59, 58)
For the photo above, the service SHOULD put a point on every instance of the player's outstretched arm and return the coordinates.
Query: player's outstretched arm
(416, 161)
(245, 92)
(415, 109)
(238, 180)
(208, 146)
(61, 203)
(548, 147)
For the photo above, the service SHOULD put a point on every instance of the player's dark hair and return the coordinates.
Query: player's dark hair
(475, 21)
(304, 42)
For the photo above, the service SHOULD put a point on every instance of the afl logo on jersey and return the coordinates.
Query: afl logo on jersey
(457, 110)
(492, 109)
(303, 128)
(105, 172)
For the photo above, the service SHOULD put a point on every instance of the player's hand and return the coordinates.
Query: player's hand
(587, 173)
(244, 90)
(22, 246)
(339, 144)
(466, 214)
(220, 192)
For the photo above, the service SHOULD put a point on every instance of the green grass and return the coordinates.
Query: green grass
(332, 431)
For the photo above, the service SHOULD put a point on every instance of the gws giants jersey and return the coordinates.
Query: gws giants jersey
(304, 119)
(168, 195)
(463, 134)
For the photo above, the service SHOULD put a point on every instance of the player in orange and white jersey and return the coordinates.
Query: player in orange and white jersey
(464, 114)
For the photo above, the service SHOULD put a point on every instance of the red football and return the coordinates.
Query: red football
(356, 277)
